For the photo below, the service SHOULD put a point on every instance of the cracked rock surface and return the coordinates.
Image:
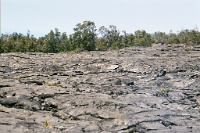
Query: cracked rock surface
(153, 90)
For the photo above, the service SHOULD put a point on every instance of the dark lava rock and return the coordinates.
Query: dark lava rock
(118, 82)
(107, 91)
(161, 73)
(128, 82)
(1, 86)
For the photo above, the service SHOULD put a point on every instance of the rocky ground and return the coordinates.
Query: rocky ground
(132, 90)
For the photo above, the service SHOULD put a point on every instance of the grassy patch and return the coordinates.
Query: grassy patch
(58, 84)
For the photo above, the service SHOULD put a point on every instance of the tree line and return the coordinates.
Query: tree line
(87, 37)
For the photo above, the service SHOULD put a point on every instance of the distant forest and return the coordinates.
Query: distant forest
(87, 37)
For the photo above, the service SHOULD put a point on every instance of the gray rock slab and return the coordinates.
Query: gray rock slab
(153, 90)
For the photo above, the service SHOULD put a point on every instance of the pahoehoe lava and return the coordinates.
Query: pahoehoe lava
(153, 90)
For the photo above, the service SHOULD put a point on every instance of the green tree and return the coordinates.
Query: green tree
(131, 39)
(1, 43)
(160, 37)
(41, 44)
(183, 36)
(64, 43)
(110, 37)
(172, 39)
(32, 44)
(193, 37)
(125, 39)
(52, 41)
(113, 37)
(102, 41)
(142, 38)
(84, 36)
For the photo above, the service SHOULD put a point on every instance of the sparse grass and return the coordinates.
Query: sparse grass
(120, 117)
(47, 125)
(2, 110)
(20, 79)
(187, 49)
(163, 92)
(131, 132)
(58, 84)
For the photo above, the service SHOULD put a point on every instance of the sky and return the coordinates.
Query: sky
(41, 16)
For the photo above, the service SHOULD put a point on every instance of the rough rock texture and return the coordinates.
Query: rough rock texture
(135, 89)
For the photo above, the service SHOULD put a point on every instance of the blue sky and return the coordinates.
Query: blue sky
(41, 16)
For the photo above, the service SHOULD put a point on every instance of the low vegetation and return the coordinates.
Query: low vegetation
(87, 37)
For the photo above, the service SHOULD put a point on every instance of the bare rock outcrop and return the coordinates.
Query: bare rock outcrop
(152, 90)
